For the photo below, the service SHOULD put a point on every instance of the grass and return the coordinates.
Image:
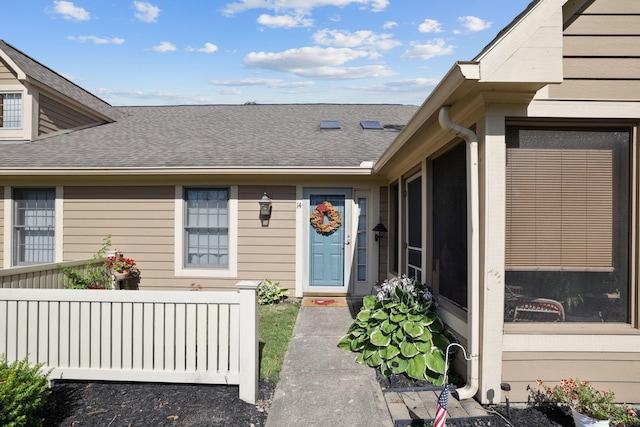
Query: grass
(276, 324)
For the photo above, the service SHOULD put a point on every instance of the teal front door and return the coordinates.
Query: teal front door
(329, 241)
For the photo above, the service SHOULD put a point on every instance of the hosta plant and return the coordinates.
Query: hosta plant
(399, 332)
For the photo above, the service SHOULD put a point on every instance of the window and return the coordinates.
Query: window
(11, 110)
(33, 226)
(394, 229)
(362, 241)
(414, 228)
(206, 228)
(449, 206)
(567, 224)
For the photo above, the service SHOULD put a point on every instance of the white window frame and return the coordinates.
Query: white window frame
(26, 131)
(231, 271)
(7, 248)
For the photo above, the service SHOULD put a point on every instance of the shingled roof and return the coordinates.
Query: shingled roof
(36, 72)
(210, 136)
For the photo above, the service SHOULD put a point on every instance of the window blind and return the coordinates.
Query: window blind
(559, 209)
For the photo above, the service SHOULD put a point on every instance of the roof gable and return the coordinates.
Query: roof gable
(33, 72)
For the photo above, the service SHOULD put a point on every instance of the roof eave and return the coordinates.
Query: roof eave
(364, 170)
(456, 83)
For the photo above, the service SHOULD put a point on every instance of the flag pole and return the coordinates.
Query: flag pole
(443, 400)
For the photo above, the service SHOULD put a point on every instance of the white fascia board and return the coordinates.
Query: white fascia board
(356, 171)
(20, 75)
(529, 50)
(460, 73)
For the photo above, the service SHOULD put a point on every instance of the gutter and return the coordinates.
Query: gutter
(473, 261)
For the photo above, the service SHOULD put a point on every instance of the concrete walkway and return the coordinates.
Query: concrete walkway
(320, 384)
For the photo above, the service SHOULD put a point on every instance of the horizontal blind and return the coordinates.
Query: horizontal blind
(559, 209)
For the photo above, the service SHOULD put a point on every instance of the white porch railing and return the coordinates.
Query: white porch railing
(43, 276)
(151, 336)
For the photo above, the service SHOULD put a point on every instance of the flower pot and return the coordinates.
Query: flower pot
(121, 275)
(585, 421)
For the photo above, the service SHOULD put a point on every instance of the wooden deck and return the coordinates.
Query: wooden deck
(417, 407)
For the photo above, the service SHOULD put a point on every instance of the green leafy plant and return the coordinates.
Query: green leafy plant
(399, 331)
(271, 292)
(23, 393)
(92, 275)
(584, 398)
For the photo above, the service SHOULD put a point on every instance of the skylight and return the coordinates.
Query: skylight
(370, 124)
(330, 124)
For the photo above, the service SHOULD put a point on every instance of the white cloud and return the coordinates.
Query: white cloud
(430, 26)
(433, 48)
(412, 84)
(367, 39)
(345, 73)
(389, 24)
(208, 48)
(272, 83)
(303, 6)
(164, 47)
(97, 40)
(284, 21)
(317, 62)
(70, 11)
(473, 23)
(146, 12)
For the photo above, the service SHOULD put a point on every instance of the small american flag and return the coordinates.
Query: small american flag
(441, 413)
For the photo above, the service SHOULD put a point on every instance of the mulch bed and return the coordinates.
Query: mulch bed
(116, 404)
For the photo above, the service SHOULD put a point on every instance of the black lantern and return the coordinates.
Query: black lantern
(380, 229)
(265, 209)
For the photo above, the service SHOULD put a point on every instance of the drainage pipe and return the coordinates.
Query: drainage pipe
(473, 252)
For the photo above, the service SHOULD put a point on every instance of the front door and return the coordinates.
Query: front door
(329, 241)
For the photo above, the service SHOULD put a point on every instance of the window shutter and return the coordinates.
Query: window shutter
(559, 209)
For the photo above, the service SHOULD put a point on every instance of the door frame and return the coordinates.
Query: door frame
(304, 228)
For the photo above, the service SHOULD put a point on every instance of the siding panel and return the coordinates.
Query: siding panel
(141, 222)
(601, 52)
(6, 75)
(54, 116)
(522, 369)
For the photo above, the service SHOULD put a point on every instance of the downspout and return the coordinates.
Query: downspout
(473, 252)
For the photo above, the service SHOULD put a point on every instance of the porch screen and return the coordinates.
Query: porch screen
(559, 209)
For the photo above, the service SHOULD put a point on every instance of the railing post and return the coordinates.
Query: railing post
(248, 340)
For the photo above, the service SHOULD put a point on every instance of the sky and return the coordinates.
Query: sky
(176, 52)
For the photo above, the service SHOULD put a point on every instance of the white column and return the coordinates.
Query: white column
(248, 340)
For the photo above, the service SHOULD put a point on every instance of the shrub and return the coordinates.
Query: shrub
(399, 331)
(270, 292)
(90, 276)
(23, 393)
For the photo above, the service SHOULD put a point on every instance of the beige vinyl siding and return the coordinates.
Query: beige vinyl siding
(55, 116)
(520, 369)
(601, 52)
(7, 76)
(267, 252)
(140, 220)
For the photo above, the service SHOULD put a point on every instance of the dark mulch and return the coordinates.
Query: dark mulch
(113, 404)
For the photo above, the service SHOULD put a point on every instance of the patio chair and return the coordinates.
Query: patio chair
(522, 308)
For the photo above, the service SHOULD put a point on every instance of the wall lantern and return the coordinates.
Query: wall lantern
(380, 229)
(265, 210)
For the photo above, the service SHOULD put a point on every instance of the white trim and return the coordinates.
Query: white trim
(8, 221)
(232, 270)
(6, 247)
(549, 343)
(584, 109)
(59, 224)
(24, 132)
(184, 170)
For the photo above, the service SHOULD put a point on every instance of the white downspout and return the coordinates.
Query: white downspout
(473, 251)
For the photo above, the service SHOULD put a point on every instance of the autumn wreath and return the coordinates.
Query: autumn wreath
(317, 218)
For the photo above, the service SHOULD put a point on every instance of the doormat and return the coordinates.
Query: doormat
(324, 302)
